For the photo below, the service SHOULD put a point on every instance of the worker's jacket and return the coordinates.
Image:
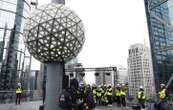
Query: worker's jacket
(141, 95)
(163, 94)
(99, 92)
(104, 97)
(109, 92)
(94, 92)
(122, 93)
(18, 90)
(94, 95)
(118, 93)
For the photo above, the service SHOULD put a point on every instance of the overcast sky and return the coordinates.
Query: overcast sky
(111, 27)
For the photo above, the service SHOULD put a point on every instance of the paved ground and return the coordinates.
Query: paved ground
(23, 106)
(35, 106)
(110, 108)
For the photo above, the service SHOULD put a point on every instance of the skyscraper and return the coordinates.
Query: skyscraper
(161, 39)
(12, 14)
(139, 70)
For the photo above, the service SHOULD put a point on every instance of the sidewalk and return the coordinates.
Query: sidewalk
(23, 106)
(35, 106)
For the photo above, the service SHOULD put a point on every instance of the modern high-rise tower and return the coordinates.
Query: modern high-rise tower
(139, 70)
(161, 40)
(12, 16)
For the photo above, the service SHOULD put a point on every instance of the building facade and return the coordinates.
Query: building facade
(161, 40)
(12, 16)
(104, 77)
(139, 70)
(122, 75)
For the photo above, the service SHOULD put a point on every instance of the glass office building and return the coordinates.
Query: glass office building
(160, 28)
(13, 52)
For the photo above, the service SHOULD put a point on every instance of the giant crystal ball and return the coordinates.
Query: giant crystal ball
(54, 33)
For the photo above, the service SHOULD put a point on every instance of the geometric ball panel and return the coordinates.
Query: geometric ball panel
(54, 33)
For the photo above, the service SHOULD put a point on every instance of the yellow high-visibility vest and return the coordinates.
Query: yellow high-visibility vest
(162, 94)
(102, 91)
(118, 93)
(99, 93)
(122, 93)
(104, 98)
(94, 91)
(18, 90)
(139, 95)
(95, 99)
(109, 92)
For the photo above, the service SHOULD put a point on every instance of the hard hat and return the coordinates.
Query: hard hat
(141, 87)
(19, 84)
(162, 85)
(94, 85)
(109, 85)
(123, 84)
(99, 86)
(81, 84)
(118, 85)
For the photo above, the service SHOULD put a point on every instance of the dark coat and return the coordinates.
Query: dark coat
(67, 102)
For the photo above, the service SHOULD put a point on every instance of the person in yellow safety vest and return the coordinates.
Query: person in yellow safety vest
(99, 95)
(123, 96)
(104, 97)
(109, 95)
(118, 95)
(141, 97)
(102, 94)
(94, 90)
(18, 93)
(163, 96)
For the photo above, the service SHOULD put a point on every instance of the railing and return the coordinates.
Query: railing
(27, 95)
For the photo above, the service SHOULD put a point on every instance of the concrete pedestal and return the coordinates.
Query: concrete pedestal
(53, 85)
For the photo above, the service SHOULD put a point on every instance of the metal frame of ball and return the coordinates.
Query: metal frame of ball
(54, 33)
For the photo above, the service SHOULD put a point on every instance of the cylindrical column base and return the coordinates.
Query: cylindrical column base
(53, 85)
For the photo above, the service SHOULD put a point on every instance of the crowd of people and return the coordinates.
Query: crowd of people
(87, 97)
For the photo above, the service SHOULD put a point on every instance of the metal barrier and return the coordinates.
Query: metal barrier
(27, 95)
